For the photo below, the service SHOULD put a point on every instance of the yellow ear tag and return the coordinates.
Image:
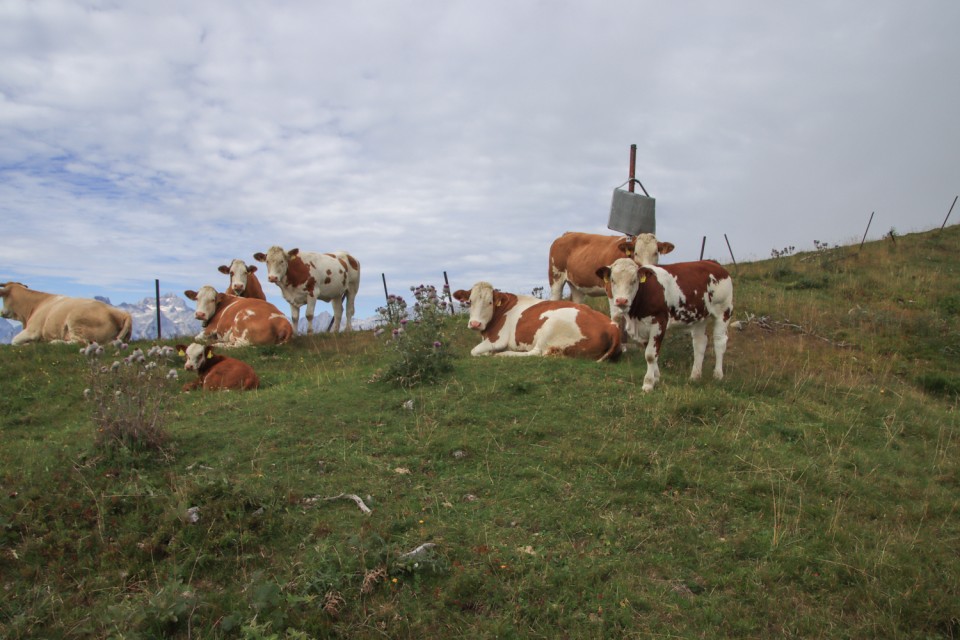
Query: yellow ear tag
(643, 279)
(210, 353)
(181, 352)
(629, 253)
(499, 302)
(606, 279)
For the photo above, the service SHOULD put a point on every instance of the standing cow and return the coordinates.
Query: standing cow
(47, 317)
(650, 298)
(305, 277)
(237, 322)
(216, 372)
(575, 258)
(243, 281)
(517, 325)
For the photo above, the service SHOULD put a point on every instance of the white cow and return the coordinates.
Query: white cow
(305, 277)
(517, 325)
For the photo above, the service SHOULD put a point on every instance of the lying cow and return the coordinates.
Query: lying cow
(305, 277)
(652, 298)
(243, 282)
(47, 317)
(216, 372)
(575, 258)
(516, 325)
(236, 322)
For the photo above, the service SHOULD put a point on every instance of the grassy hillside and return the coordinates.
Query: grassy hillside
(813, 493)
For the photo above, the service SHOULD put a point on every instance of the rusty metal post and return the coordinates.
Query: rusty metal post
(633, 166)
(865, 232)
(156, 283)
(446, 281)
(948, 213)
(730, 250)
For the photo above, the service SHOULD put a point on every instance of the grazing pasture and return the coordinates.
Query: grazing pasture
(814, 492)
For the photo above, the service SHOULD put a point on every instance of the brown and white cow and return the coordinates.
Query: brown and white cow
(575, 258)
(47, 317)
(216, 372)
(236, 322)
(305, 277)
(517, 325)
(653, 297)
(243, 281)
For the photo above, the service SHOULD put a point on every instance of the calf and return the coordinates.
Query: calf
(575, 258)
(236, 322)
(47, 317)
(650, 298)
(526, 326)
(243, 282)
(216, 372)
(305, 277)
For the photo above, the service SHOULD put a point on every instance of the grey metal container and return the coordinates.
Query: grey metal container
(632, 213)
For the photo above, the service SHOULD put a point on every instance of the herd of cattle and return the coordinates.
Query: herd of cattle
(645, 298)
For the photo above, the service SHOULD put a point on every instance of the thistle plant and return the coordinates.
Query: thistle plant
(128, 396)
(416, 343)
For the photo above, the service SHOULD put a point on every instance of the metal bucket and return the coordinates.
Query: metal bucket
(632, 213)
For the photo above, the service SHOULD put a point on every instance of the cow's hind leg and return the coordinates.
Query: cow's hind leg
(311, 305)
(351, 296)
(698, 332)
(337, 304)
(719, 346)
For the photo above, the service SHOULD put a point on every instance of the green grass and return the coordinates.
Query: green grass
(812, 493)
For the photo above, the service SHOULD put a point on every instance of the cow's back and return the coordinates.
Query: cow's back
(576, 256)
(250, 321)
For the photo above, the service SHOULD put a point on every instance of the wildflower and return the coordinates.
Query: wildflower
(103, 369)
(87, 393)
(437, 344)
(172, 375)
(115, 365)
(403, 322)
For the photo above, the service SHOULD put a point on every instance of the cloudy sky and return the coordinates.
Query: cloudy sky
(145, 139)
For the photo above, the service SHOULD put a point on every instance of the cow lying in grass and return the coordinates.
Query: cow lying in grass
(238, 322)
(517, 325)
(651, 298)
(47, 317)
(216, 372)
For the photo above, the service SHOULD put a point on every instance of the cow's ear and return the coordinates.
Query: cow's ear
(665, 247)
(209, 353)
(220, 298)
(224, 269)
(181, 349)
(260, 257)
(461, 295)
(293, 253)
(604, 273)
(626, 247)
(191, 294)
(251, 268)
(642, 274)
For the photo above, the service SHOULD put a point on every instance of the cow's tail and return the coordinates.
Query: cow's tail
(284, 332)
(615, 346)
(126, 328)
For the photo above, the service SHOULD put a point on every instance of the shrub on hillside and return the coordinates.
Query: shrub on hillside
(418, 351)
(128, 397)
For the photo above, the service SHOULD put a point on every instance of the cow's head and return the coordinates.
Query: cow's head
(8, 291)
(196, 355)
(238, 272)
(645, 248)
(207, 300)
(483, 301)
(622, 280)
(277, 260)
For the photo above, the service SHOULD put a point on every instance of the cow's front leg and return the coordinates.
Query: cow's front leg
(23, 338)
(652, 356)
(295, 317)
(311, 305)
(485, 348)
